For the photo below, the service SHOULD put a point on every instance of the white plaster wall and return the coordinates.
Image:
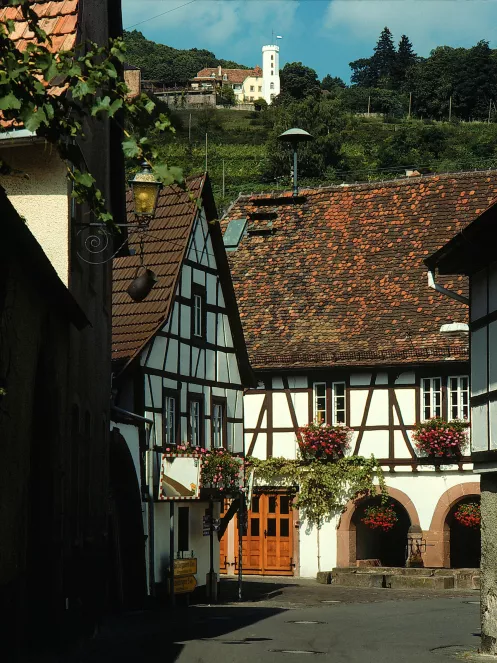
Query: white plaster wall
(131, 435)
(284, 444)
(281, 412)
(38, 190)
(252, 407)
(358, 399)
(198, 543)
(378, 410)
(424, 489)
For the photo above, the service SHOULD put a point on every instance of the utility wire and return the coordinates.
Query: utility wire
(158, 15)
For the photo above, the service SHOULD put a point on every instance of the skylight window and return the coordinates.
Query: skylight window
(234, 233)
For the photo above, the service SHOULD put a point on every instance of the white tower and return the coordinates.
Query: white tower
(270, 72)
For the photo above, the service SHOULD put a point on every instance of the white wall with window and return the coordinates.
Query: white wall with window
(447, 398)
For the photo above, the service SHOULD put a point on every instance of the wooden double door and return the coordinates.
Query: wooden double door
(268, 544)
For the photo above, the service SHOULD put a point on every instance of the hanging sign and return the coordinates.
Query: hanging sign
(179, 478)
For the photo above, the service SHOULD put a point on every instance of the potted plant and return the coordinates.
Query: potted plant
(324, 441)
(380, 517)
(468, 515)
(438, 438)
(222, 471)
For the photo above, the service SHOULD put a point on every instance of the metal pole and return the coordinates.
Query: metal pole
(205, 152)
(450, 108)
(223, 180)
(489, 110)
(295, 187)
(369, 105)
(240, 545)
(410, 105)
(190, 128)
(211, 539)
(171, 553)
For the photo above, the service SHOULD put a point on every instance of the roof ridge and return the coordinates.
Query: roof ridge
(368, 185)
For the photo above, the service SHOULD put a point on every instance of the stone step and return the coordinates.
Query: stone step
(398, 578)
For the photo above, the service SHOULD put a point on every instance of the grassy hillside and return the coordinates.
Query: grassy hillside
(371, 149)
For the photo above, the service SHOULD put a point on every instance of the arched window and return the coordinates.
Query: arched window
(271, 86)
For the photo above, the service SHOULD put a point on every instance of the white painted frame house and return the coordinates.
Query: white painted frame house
(181, 363)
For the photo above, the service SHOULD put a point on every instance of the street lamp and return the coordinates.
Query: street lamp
(294, 137)
(145, 189)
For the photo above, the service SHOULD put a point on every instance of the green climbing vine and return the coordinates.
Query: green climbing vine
(51, 94)
(324, 487)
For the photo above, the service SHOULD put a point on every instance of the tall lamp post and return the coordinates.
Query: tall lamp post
(294, 137)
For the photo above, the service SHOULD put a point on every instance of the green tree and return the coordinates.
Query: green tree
(298, 82)
(91, 73)
(164, 63)
(404, 60)
(324, 119)
(384, 59)
(331, 83)
(227, 96)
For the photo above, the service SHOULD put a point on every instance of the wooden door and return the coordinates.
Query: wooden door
(223, 543)
(267, 547)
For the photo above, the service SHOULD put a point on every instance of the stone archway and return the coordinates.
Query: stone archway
(438, 536)
(346, 531)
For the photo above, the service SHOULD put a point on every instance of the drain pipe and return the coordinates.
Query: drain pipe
(444, 291)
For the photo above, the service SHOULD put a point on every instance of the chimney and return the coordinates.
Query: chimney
(219, 71)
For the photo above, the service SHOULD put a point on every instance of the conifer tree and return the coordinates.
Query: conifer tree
(384, 59)
(405, 59)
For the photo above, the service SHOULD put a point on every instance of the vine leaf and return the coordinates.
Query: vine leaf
(10, 102)
(131, 148)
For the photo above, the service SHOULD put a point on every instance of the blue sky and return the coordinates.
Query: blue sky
(323, 34)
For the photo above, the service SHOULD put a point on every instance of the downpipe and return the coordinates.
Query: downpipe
(444, 291)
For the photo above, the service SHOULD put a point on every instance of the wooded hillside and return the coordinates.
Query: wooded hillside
(161, 62)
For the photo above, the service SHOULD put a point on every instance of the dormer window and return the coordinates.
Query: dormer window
(225, 77)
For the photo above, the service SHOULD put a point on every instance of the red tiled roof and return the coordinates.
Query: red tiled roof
(340, 277)
(58, 18)
(134, 323)
(234, 75)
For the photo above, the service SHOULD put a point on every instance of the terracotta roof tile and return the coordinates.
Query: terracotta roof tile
(134, 323)
(59, 21)
(234, 75)
(340, 277)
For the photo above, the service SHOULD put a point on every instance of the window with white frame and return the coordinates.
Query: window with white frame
(338, 403)
(432, 397)
(169, 420)
(218, 417)
(319, 403)
(195, 436)
(198, 316)
(458, 392)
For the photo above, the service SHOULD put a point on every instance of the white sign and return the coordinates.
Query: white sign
(179, 477)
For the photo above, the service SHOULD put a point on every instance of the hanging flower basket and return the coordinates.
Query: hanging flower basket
(380, 517)
(469, 515)
(221, 471)
(438, 438)
(325, 441)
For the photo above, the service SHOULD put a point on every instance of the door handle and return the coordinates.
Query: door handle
(265, 534)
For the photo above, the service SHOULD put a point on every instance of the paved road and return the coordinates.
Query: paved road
(288, 622)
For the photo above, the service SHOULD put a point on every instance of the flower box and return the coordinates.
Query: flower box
(440, 439)
(324, 441)
(221, 472)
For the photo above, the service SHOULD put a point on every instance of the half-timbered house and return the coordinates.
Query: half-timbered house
(472, 254)
(180, 362)
(342, 327)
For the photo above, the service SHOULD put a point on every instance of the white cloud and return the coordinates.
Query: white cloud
(243, 24)
(428, 23)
